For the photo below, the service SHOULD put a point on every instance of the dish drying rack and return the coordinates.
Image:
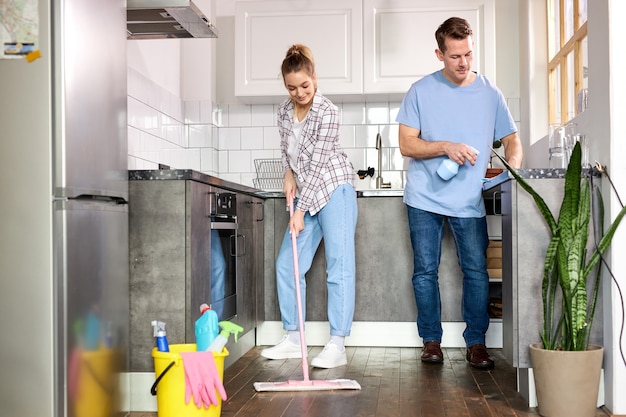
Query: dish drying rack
(269, 174)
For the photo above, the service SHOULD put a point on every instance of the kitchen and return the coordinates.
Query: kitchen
(170, 78)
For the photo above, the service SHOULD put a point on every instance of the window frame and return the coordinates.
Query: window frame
(558, 67)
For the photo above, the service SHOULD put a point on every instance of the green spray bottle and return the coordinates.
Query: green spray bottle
(220, 341)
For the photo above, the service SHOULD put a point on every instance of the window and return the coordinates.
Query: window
(567, 59)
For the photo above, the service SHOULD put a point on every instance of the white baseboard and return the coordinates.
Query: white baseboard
(137, 392)
(380, 334)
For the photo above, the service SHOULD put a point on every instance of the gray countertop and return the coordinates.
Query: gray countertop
(189, 174)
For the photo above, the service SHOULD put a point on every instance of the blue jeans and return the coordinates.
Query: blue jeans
(471, 240)
(336, 224)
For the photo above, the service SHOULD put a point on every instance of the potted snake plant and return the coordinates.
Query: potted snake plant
(569, 293)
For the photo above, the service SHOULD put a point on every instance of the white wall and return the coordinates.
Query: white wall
(533, 82)
(612, 45)
(171, 89)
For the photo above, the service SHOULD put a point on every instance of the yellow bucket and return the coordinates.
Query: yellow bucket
(95, 391)
(169, 386)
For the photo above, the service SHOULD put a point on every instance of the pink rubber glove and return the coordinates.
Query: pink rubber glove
(211, 380)
(202, 379)
(193, 379)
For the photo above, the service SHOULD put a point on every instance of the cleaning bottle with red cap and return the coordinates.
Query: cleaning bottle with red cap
(207, 328)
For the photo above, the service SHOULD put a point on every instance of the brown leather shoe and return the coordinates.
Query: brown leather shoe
(478, 357)
(432, 352)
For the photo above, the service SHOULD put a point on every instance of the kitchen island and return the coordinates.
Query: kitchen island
(385, 311)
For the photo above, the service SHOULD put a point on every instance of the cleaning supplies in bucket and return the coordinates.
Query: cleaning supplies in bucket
(220, 341)
(161, 337)
(170, 383)
(207, 328)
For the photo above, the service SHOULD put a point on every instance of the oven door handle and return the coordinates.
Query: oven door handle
(233, 245)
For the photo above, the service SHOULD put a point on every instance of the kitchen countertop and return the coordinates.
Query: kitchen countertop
(189, 174)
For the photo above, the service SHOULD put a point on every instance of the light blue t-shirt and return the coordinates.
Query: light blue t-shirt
(476, 115)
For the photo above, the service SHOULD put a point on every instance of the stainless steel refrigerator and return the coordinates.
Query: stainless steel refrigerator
(64, 309)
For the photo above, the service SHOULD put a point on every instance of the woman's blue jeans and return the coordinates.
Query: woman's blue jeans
(336, 224)
(471, 240)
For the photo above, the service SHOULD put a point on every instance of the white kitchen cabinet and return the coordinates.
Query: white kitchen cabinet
(266, 29)
(361, 47)
(399, 40)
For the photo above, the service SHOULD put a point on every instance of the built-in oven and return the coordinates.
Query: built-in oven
(224, 253)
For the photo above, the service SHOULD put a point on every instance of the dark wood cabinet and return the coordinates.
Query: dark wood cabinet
(170, 260)
(249, 260)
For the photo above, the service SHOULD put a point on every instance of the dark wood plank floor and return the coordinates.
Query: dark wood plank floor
(394, 383)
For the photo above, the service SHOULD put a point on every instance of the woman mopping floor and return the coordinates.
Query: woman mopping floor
(319, 177)
(305, 384)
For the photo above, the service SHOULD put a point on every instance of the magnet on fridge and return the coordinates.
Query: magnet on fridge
(31, 56)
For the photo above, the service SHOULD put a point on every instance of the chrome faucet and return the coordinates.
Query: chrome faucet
(379, 178)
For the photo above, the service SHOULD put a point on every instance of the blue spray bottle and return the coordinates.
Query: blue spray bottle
(207, 328)
(159, 333)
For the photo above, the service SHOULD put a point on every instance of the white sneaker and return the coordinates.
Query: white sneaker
(330, 357)
(285, 349)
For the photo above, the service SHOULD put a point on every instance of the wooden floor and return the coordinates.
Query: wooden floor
(394, 383)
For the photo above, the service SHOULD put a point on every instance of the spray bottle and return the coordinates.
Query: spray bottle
(159, 333)
(207, 328)
(220, 341)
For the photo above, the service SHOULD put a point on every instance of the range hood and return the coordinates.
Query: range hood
(162, 19)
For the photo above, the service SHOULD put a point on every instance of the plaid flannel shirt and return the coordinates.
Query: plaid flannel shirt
(322, 163)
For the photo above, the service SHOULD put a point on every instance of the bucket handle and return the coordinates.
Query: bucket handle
(153, 390)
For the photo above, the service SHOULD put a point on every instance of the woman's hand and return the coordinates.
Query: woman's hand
(296, 223)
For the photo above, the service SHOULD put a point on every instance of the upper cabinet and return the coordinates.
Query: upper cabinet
(361, 47)
(399, 40)
(264, 30)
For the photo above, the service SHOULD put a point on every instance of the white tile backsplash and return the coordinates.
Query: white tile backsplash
(224, 141)
(192, 111)
(357, 158)
(229, 138)
(251, 138)
(239, 161)
(222, 163)
(262, 115)
(199, 136)
(377, 113)
(239, 115)
(206, 112)
(365, 136)
(347, 136)
(271, 138)
(353, 114)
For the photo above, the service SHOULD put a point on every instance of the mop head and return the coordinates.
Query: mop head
(312, 385)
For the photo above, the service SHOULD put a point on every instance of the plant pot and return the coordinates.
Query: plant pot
(566, 382)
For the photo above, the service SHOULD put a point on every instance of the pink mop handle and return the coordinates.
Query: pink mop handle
(296, 274)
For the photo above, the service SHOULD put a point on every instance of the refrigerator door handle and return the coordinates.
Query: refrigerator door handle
(99, 199)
